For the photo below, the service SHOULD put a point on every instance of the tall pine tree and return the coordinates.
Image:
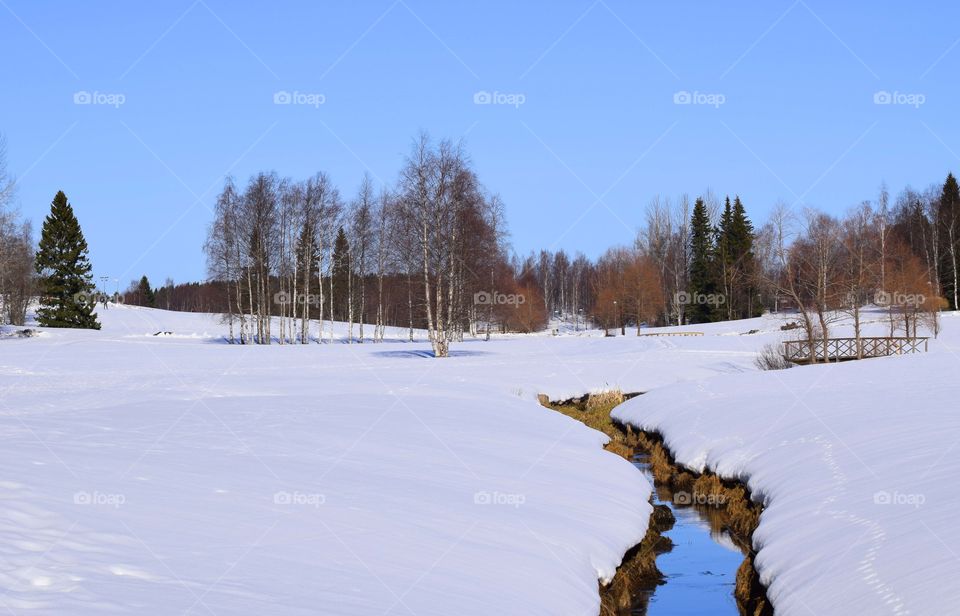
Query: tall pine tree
(948, 215)
(735, 263)
(65, 280)
(725, 263)
(701, 264)
(741, 243)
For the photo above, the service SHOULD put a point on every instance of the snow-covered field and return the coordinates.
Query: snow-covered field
(177, 474)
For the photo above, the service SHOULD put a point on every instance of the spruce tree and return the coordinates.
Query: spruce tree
(948, 214)
(725, 263)
(145, 294)
(64, 272)
(741, 244)
(701, 264)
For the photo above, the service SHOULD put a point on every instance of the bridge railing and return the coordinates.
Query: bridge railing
(842, 349)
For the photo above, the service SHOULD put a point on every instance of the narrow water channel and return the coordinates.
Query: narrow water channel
(702, 566)
(698, 559)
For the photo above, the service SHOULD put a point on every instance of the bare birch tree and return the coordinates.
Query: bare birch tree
(362, 232)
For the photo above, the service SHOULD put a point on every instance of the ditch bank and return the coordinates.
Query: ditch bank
(724, 504)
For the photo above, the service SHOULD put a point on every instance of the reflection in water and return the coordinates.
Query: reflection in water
(701, 569)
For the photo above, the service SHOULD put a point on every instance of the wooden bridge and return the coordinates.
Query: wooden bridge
(845, 349)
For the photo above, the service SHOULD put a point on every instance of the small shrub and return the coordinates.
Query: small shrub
(771, 358)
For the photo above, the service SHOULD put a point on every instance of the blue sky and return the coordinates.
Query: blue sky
(782, 106)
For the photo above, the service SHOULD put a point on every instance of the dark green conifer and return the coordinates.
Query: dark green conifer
(702, 274)
(67, 293)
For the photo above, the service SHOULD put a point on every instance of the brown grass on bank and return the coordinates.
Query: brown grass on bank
(750, 594)
(740, 514)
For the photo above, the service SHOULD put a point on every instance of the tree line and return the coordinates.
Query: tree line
(429, 251)
(693, 261)
(689, 263)
(702, 261)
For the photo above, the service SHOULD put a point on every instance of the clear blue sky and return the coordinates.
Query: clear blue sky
(798, 120)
